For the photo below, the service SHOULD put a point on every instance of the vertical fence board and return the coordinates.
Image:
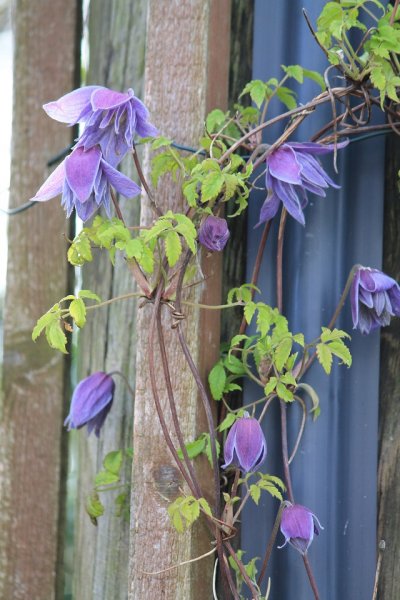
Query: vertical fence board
(389, 423)
(186, 75)
(33, 379)
(117, 31)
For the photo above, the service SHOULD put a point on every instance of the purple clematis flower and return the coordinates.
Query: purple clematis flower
(375, 298)
(84, 179)
(111, 119)
(91, 402)
(214, 233)
(245, 445)
(292, 168)
(298, 525)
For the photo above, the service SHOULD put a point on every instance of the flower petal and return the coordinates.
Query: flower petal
(283, 165)
(288, 195)
(68, 108)
(120, 182)
(269, 208)
(103, 98)
(52, 186)
(315, 148)
(354, 294)
(81, 169)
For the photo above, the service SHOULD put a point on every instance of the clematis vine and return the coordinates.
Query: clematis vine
(111, 119)
(298, 525)
(375, 299)
(214, 233)
(245, 445)
(84, 179)
(292, 169)
(91, 402)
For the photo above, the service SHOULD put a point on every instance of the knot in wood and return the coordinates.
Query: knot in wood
(167, 480)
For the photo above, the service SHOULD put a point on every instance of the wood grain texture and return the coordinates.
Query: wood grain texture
(186, 75)
(389, 422)
(31, 459)
(117, 30)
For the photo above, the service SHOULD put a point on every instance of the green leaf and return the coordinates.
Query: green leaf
(324, 356)
(255, 493)
(43, 322)
(271, 385)
(227, 422)
(282, 352)
(105, 478)
(190, 191)
(89, 295)
(56, 337)
(284, 393)
(288, 379)
(134, 248)
(249, 311)
(211, 186)
(315, 76)
(80, 250)
(328, 335)
(94, 507)
(207, 448)
(234, 365)
(217, 380)
(257, 90)
(295, 71)
(77, 311)
(287, 97)
(193, 448)
(173, 247)
(205, 506)
(340, 350)
(214, 120)
(146, 261)
(113, 461)
(160, 142)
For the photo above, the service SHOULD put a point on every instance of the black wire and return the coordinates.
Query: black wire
(55, 159)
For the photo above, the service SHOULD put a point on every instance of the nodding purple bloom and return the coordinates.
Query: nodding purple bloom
(91, 402)
(375, 298)
(298, 525)
(293, 169)
(84, 179)
(245, 445)
(214, 233)
(111, 119)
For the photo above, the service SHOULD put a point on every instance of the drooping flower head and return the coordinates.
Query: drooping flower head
(214, 233)
(375, 298)
(111, 119)
(245, 446)
(292, 169)
(298, 525)
(84, 179)
(91, 402)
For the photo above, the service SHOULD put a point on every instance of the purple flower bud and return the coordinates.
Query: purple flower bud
(375, 298)
(214, 233)
(245, 445)
(293, 168)
(91, 402)
(298, 525)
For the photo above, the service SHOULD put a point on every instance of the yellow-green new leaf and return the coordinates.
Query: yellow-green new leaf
(173, 247)
(77, 311)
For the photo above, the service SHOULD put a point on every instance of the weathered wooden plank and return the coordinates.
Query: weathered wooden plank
(187, 63)
(389, 422)
(117, 31)
(31, 453)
